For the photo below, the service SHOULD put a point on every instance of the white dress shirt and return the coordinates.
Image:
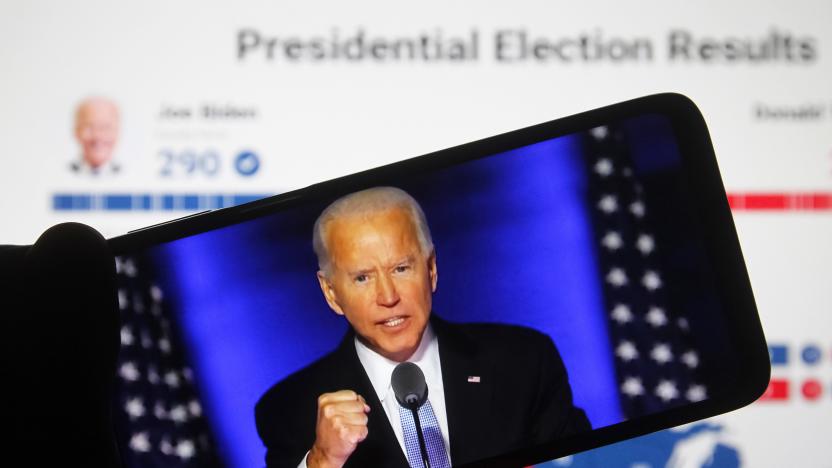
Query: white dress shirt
(380, 369)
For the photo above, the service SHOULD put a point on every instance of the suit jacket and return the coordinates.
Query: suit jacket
(523, 398)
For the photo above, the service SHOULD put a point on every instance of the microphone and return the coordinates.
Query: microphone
(411, 391)
(409, 385)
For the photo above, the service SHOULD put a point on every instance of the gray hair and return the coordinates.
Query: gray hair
(364, 202)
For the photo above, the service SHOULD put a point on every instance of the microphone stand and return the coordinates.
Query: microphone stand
(421, 436)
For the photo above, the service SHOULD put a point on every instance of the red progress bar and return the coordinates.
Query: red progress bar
(780, 201)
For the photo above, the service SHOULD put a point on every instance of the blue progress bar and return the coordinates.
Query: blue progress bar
(150, 202)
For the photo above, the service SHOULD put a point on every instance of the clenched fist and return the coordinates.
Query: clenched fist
(341, 426)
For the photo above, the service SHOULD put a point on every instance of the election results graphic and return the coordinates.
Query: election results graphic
(798, 373)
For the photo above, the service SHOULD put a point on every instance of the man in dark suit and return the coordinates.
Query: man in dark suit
(492, 388)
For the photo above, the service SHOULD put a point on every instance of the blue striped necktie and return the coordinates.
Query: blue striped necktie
(433, 438)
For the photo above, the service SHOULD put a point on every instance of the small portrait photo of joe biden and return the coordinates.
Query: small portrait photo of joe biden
(96, 129)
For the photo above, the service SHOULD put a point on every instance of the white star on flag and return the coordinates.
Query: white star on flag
(696, 393)
(164, 345)
(127, 337)
(195, 408)
(661, 353)
(608, 204)
(627, 351)
(612, 241)
(651, 280)
(134, 408)
(645, 244)
(125, 266)
(122, 299)
(172, 379)
(617, 277)
(666, 390)
(621, 314)
(690, 359)
(683, 323)
(632, 387)
(178, 414)
(185, 449)
(140, 442)
(599, 133)
(656, 317)
(604, 167)
(156, 293)
(637, 209)
(128, 371)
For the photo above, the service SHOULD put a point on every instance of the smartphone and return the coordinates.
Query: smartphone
(561, 287)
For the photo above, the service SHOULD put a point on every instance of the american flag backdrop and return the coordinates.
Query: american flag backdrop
(656, 362)
(159, 417)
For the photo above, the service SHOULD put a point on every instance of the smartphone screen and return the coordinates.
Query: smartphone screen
(592, 239)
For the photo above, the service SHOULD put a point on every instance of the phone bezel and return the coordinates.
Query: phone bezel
(699, 168)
